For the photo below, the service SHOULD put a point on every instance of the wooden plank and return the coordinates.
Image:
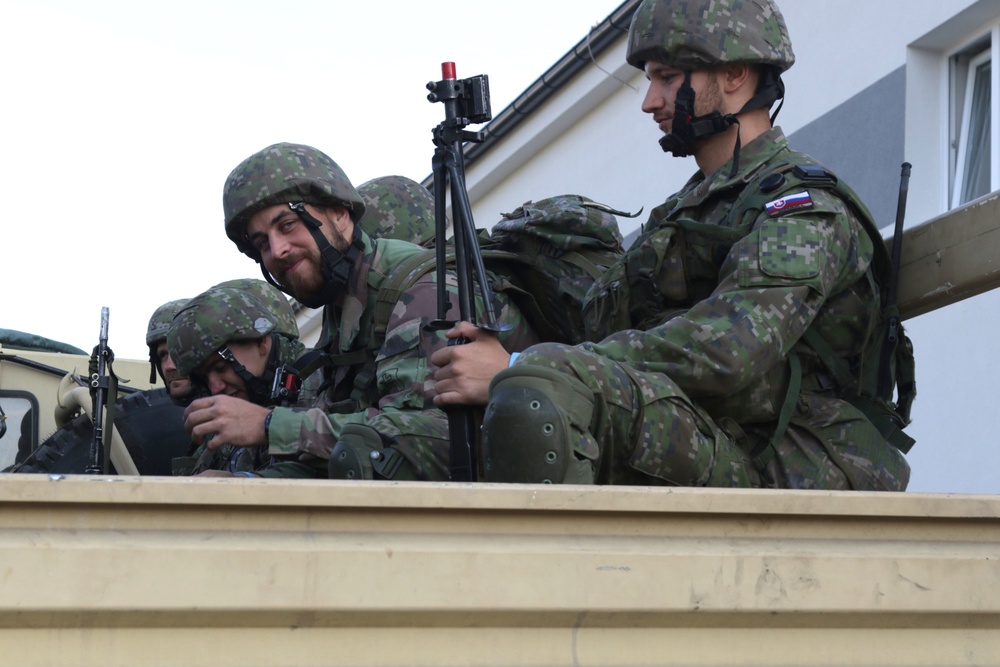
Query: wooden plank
(951, 257)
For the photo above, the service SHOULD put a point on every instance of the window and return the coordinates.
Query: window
(19, 428)
(973, 157)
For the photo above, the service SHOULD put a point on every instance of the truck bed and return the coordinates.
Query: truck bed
(160, 571)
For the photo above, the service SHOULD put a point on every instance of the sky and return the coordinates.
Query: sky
(121, 121)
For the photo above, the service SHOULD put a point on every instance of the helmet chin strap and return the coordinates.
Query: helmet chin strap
(258, 388)
(335, 265)
(688, 128)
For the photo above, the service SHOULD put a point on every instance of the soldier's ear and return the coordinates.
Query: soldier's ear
(736, 76)
(264, 346)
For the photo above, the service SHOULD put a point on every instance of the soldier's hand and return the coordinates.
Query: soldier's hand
(234, 421)
(464, 371)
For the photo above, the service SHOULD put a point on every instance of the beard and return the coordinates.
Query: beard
(302, 276)
(306, 282)
(709, 99)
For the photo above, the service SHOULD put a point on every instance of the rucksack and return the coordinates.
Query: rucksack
(548, 252)
(553, 250)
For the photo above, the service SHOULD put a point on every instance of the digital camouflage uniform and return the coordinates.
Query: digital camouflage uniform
(388, 424)
(710, 310)
(235, 310)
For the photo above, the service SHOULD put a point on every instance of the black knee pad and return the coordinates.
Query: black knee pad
(361, 454)
(532, 423)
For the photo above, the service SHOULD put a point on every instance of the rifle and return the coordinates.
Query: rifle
(894, 327)
(465, 101)
(104, 392)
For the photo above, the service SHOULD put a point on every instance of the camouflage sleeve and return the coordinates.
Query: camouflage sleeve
(772, 284)
(404, 376)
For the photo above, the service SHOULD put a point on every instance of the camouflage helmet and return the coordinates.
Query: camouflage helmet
(156, 333)
(223, 314)
(159, 322)
(279, 174)
(397, 207)
(695, 34)
(272, 298)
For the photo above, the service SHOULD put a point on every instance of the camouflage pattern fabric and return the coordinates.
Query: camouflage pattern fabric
(159, 322)
(689, 392)
(695, 34)
(273, 299)
(397, 207)
(234, 310)
(156, 331)
(222, 314)
(404, 413)
(279, 174)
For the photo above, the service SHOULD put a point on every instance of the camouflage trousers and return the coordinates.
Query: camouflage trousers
(646, 430)
(420, 437)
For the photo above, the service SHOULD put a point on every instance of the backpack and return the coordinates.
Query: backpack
(553, 251)
(547, 254)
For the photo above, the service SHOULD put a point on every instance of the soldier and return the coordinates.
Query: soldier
(230, 340)
(397, 207)
(159, 359)
(293, 210)
(744, 313)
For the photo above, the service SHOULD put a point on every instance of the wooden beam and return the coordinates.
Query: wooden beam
(952, 257)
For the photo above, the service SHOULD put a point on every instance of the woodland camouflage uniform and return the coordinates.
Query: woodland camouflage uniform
(710, 324)
(378, 400)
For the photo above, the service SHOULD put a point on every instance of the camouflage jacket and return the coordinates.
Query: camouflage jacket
(403, 375)
(247, 459)
(720, 311)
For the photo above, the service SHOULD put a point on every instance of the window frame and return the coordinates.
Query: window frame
(963, 65)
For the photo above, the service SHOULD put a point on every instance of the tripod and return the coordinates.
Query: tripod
(465, 101)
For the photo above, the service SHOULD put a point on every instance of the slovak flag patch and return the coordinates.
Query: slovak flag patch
(798, 200)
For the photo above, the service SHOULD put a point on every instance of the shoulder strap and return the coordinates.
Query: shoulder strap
(393, 286)
(803, 173)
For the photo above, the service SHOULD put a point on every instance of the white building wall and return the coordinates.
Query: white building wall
(592, 139)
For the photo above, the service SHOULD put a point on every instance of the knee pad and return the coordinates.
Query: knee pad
(361, 454)
(533, 422)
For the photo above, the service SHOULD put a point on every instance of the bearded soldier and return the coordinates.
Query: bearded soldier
(745, 315)
(293, 210)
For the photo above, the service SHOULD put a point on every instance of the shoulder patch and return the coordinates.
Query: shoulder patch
(788, 203)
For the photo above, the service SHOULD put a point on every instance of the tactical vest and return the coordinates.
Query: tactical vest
(653, 284)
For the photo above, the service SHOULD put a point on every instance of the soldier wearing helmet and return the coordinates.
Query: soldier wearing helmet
(746, 313)
(229, 341)
(294, 211)
(397, 207)
(159, 359)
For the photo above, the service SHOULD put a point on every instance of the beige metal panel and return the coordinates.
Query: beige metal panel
(45, 386)
(243, 572)
(951, 257)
